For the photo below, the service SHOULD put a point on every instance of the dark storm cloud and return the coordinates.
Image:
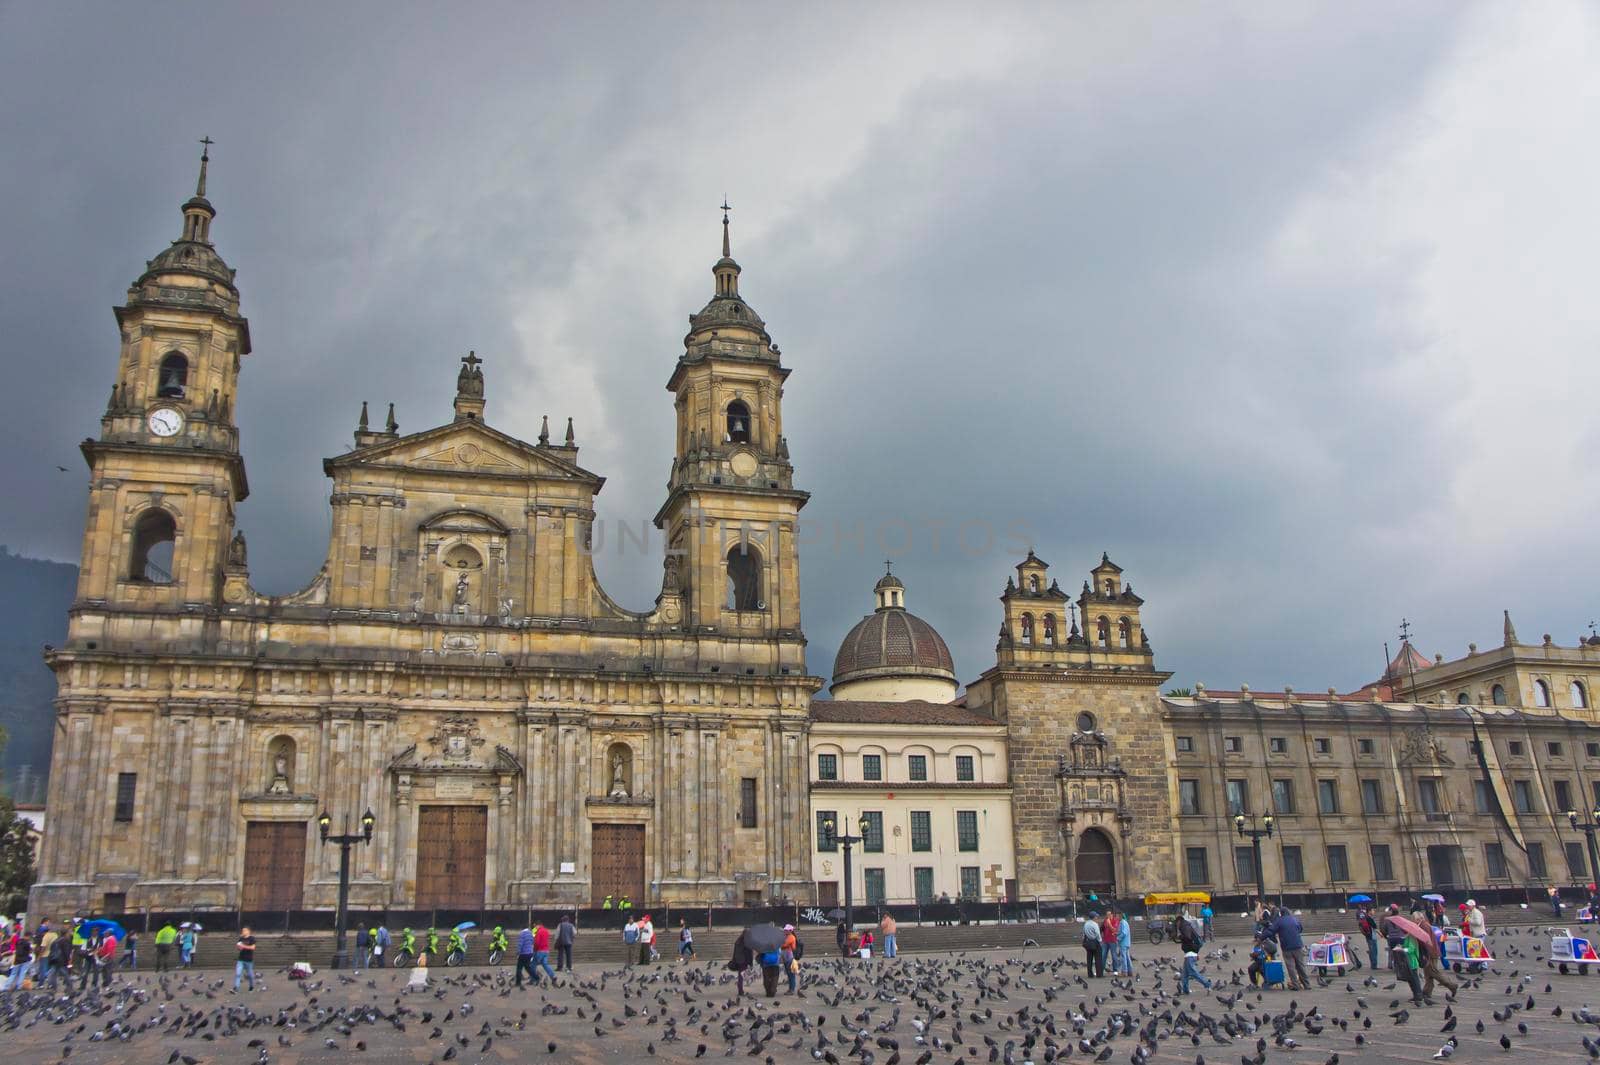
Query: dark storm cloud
(1203, 288)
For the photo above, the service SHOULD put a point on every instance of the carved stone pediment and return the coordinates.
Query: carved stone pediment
(1418, 747)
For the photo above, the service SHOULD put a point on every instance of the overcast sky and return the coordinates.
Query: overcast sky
(1289, 307)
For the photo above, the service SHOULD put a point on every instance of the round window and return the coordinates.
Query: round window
(1086, 722)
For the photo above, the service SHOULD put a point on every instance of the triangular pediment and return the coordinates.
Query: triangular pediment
(469, 448)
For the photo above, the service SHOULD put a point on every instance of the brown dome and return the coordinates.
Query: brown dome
(892, 642)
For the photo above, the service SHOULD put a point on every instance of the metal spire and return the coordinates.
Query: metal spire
(205, 157)
(726, 250)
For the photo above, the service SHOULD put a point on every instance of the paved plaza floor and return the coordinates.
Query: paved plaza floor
(979, 1007)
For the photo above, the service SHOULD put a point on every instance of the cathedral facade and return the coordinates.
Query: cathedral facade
(454, 668)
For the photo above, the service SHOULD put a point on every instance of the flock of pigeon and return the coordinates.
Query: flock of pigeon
(1031, 1008)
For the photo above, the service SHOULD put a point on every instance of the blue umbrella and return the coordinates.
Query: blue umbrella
(104, 927)
(1360, 898)
(464, 925)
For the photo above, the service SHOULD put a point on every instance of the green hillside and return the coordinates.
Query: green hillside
(34, 596)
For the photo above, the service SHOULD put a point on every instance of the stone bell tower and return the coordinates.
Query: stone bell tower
(166, 470)
(731, 505)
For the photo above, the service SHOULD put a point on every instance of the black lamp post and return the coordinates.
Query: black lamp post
(1589, 828)
(1255, 836)
(848, 840)
(341, 956)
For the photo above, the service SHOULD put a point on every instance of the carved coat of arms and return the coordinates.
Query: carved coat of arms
(455, 738)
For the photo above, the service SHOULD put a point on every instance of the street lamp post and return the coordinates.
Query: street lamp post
(848, 840)
(1255, 836)
(346, 840)
(1589, 828)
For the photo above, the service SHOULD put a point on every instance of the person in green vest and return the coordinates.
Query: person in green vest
(606, 905)
(497, 940)
(166, 936)
(433, 942)
(625, 904)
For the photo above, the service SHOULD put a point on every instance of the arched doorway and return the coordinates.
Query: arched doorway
(1096, 866)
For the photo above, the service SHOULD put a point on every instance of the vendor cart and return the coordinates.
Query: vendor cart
(1567, 949)
(1330, 952)
(1462, 952)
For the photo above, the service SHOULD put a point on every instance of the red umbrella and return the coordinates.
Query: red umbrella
(1424, 937)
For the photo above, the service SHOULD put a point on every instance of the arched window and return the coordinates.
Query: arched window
(738, 422)
(1124, 633)
(154, 536)
(1111, 586)
(174, 376)
(1033, 582)
(1498, 695)
(744, 578)
(1579, 695)
(1461, 699)
(1050, 630)
(1541, 693)
(1102, 631)
(1027, 628)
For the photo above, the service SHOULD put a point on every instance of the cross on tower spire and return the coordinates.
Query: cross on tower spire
(205, 157)
(726, 252)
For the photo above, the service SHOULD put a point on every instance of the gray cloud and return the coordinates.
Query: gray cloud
(1229, 293)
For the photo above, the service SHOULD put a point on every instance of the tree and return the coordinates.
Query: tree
(1181, 693)
(16, 853)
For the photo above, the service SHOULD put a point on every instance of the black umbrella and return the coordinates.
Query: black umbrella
(763, 937)
(835, 915)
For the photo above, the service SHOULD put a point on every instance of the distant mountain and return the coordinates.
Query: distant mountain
(34, 597)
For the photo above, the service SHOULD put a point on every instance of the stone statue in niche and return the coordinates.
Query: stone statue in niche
(238, 550)
(463, 589)
(280, 784)
(619, 775)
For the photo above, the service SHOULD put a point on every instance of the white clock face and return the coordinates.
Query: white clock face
(164, 421)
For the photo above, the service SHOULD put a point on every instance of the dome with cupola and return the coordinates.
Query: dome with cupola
(891, 654)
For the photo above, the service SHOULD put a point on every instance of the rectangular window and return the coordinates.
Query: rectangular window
(1244, 866)
(1189, 796)
(1371, 797)
(1428, 795)
(1594, 786)
(1554, 749)
(1563, 795)
(1474, 747)
(1515, 747)
(872, 835)
(966, 830)
(917, 766)
(827, 767)
(1322, 745)
(872, 767)
(1482, 797)
(1577, 868)
(127, 786)
(921, 830)
(1277, 745)
(873, 880)
(1338, 863)
(1283, 796)
(1186, 744)
(922, 883)
(1195, 861)
(1327, 797)
(1592, 750)
(1494, 861)
(1382, 864)
(1294, 871)
(1238, 797)
(1364, 746)
(1536, 867)
(1232, 744)
(1522, 796)
(827, 831)
(964, 771)
(747, 802)
(969, 882)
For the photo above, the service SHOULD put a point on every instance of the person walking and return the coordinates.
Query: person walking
(87, 950)
(381, 944)
(740, 962)
(1189, 941)
(630, 942)
(43, 947)
(647, 940)
(130, 951)
(1109, 929)
(21, 959)
(1124, 945)
(525, 956)
(245, 966)
(1400, 953)
(363, 954)
(188, 941)
(685, 940)
(1091, 945)
(889, 931)
(1287, 928)
(842, 935)
(566, 935)
(61, 961)
(166, 937)
(105, 961)
(541, 955)
(1208, 930)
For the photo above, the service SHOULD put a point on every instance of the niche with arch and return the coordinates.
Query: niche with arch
(1050, 630)
(1027, 628)
(172, 379)
(280, 765)
(155, 539)
(744, 578)
(619, 771)
(738, 423)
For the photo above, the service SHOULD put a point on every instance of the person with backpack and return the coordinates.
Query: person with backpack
(786, 957)
(1091, 945)
(1189, 941)
(771, 963)
(740, 962)
(797, 951)
(685, 940)
(1369, 931)
(630, 942)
